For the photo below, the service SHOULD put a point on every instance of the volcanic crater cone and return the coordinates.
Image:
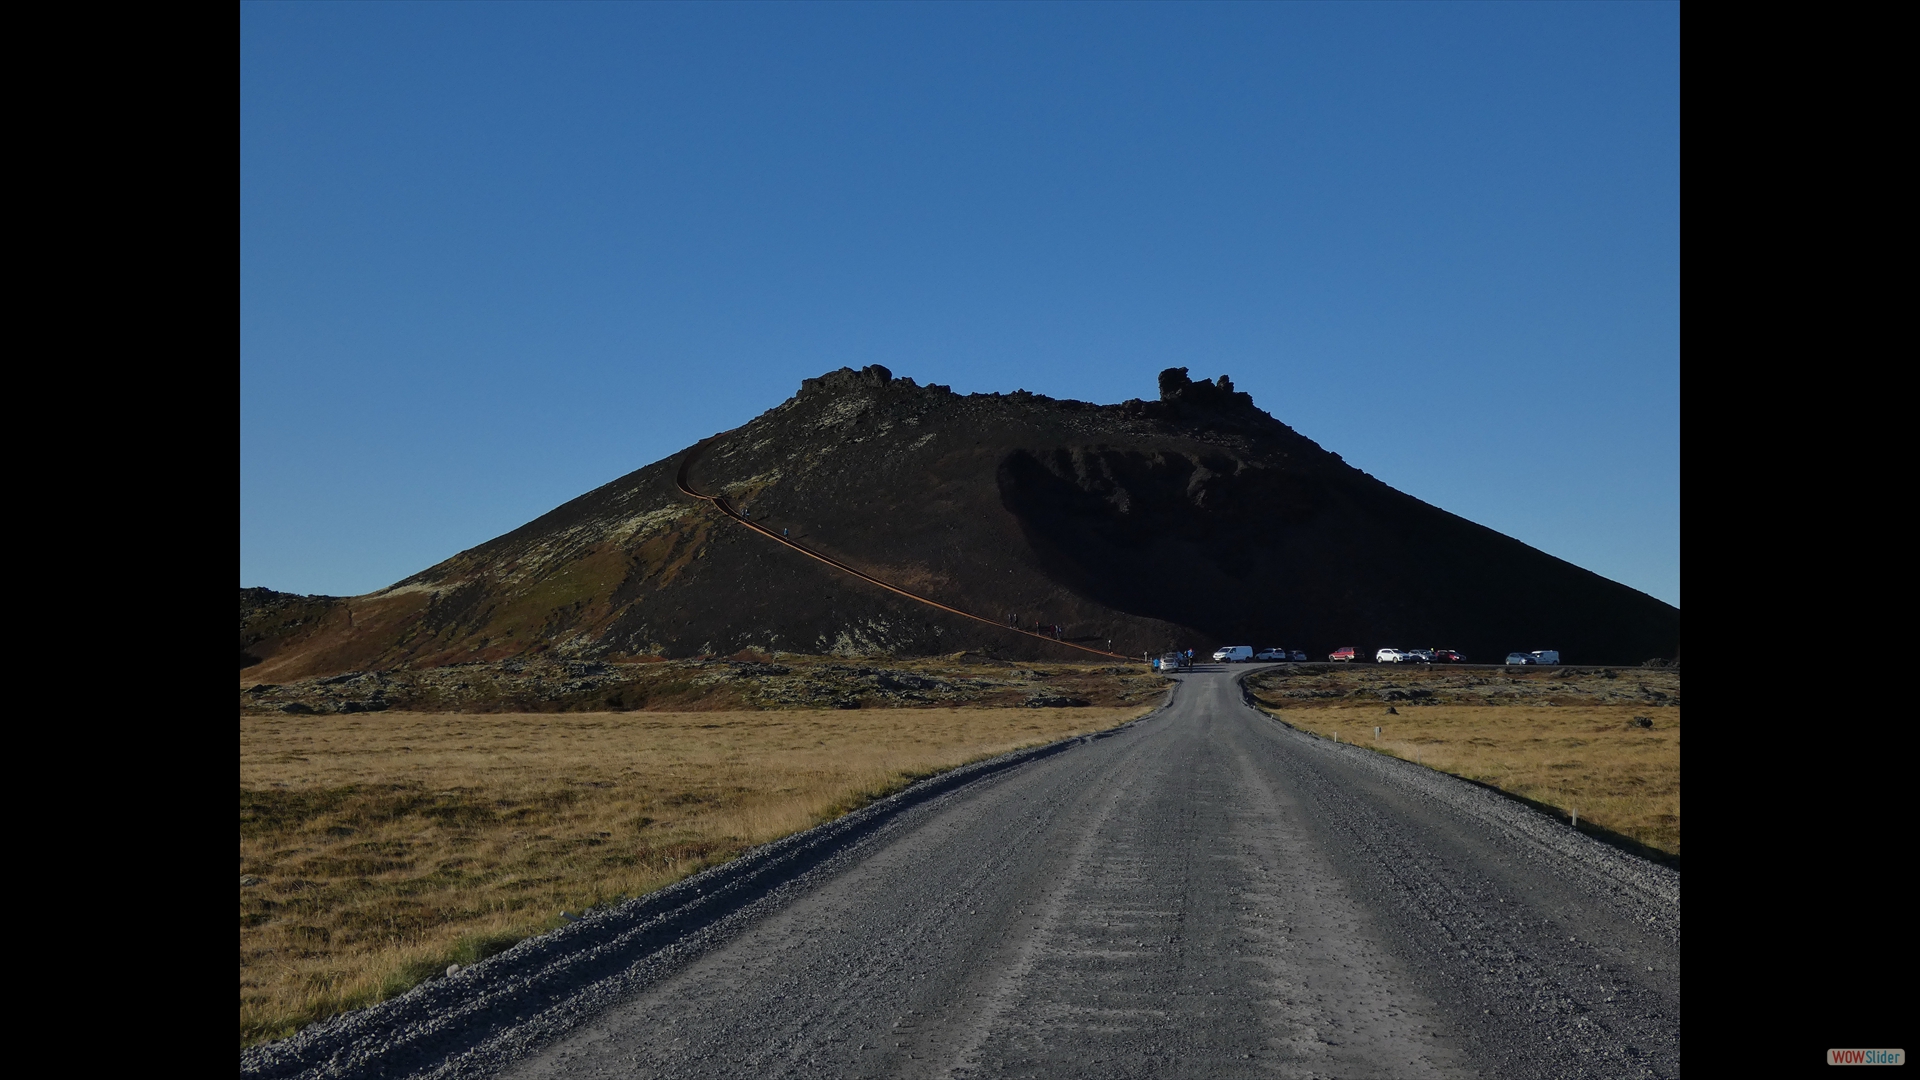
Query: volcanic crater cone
(1190, 521)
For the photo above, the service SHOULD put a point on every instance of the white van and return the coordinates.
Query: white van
(1233, 654)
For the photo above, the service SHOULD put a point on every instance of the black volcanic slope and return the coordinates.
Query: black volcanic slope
(1192, 521)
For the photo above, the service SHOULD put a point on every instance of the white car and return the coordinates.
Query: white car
(1229, 654)
(1391, 656)
(1271, 654)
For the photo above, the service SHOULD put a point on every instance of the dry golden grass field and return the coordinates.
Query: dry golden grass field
(377, 848)
(1566, 740)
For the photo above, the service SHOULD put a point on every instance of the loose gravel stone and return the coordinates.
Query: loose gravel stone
(1206, 892)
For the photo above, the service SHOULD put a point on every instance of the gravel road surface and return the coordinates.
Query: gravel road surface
(1206, 893)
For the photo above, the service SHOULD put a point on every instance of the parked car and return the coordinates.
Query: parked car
(1271, 654)
(1447, 656)
(1299, 656)
(1391, 656)
(1520, 658)
(1546, 656)
(1341, 655)
(1233, 654)
(1420, 656)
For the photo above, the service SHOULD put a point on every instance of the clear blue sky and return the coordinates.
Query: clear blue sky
(495, 255)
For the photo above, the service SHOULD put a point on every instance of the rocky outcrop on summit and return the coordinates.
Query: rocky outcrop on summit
(1189, 520)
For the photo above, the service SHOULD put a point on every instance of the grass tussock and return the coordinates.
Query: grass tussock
(1621, 777)
(377, 849)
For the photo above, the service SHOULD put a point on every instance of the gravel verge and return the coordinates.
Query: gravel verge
(481, 1018)
(1651, 889)
(1554, 954)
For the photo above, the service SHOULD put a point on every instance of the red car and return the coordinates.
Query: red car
(1340, 656)
(1447, 656)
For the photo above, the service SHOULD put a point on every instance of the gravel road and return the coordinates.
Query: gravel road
(1206, 893)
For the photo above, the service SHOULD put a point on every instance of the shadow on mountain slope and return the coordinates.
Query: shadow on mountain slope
(1187, 521)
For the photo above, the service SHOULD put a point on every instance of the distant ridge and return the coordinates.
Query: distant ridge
(1193, 520)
